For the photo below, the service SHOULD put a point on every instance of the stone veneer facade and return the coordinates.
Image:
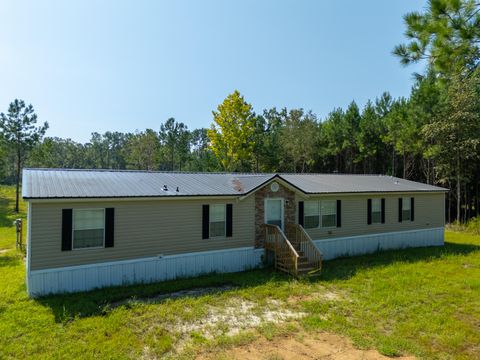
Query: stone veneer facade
(289, 208)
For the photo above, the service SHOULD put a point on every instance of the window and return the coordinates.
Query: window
(406, 210)
(217, 220)
(320, 214)
(329, 213)
(88, 228)
(311, 215)
(376, 211)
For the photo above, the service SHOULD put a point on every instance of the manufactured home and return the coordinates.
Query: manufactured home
(90, 229)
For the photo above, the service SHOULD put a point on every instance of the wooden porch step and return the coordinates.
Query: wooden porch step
(305, 270)
(305, 265)
(309, 271)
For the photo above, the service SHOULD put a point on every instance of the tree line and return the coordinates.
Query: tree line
(432, 136)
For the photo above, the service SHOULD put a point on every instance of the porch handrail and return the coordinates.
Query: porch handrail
(298, 236)
(285, 254)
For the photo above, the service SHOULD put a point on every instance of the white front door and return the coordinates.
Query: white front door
(274, 212)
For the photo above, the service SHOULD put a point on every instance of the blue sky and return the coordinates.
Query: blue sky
(126, 65)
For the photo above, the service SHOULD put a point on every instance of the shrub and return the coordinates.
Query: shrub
(473, 225)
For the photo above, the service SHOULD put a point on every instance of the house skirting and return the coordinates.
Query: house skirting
(154, 269)
(146, 270)
(366, 244)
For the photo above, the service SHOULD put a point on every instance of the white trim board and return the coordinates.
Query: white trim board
(29, 241)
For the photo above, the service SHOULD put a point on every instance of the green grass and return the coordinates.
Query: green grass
(424, 302)
(8, 215)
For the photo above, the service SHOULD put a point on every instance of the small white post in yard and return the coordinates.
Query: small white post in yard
(18, 227)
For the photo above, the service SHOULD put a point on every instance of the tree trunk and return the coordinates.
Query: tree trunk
(17, 193)
(459, 199)
(477, 200)
(449, 206)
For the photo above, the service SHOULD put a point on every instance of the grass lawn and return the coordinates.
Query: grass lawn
(423, 302)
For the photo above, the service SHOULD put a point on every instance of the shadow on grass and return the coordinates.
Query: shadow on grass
(5, 208)
(96, 302)
(345, 268)
(7, 260)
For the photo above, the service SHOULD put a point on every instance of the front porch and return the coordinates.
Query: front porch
(279, 234)
(293, 250)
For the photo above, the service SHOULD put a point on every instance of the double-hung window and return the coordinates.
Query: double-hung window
(88, 228)
(320, 214)
(311, 215)
(329, 213)
(406, 209)
(376, 211)
(217, 220)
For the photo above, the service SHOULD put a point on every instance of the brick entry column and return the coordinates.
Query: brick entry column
(260, 196)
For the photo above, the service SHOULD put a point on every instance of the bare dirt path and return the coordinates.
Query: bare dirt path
(301, 347)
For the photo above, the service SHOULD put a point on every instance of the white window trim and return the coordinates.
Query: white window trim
(320, 215)
(224, 235)
(282, 208)
(73, 230)
(375, 222)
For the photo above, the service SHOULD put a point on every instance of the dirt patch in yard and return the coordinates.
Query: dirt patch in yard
(195, 292)
(238, 315)
(325, 295)
(300, 347)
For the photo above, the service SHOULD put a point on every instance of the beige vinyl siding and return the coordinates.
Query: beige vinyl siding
(142, 229)
(429, 213)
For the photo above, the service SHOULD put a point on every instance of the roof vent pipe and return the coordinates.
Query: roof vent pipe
(177, 189)
(165, 188)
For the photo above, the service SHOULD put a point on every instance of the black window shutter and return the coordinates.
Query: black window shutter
(229, 220)
(400, 207)
(300, 213)
(412, 209)
(205, 221)
(339, 213)
(67, 229)
(383, 211)
(369, 211)
(109, 226)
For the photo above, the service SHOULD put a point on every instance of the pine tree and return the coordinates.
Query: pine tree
(18, 130)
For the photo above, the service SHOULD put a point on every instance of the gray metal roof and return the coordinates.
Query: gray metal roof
(66, 183)
(337, 183)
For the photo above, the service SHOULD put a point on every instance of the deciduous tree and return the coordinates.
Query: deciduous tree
(231, 135)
